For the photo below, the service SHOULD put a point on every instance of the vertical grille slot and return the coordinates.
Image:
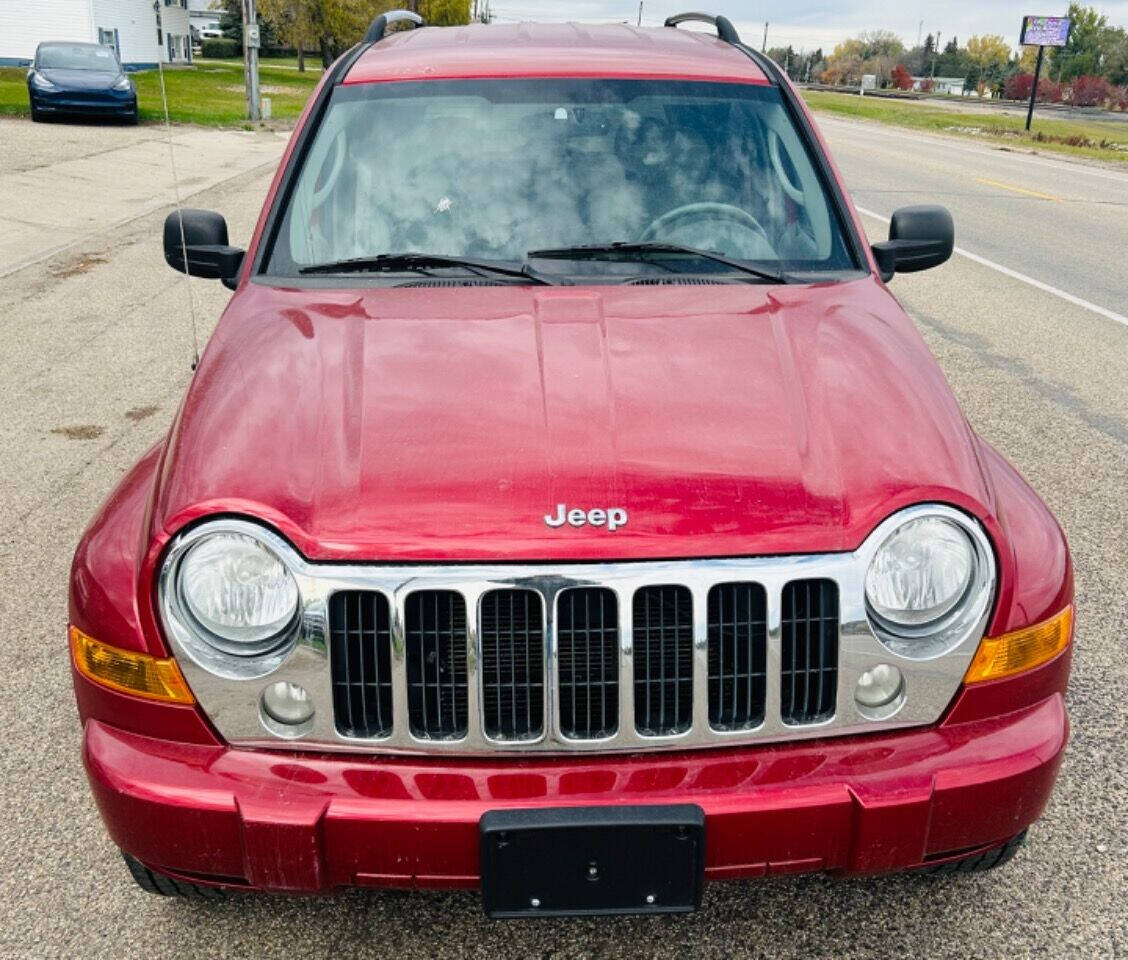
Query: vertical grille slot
(738, 642)
(435, 637)
(587, 642)
(809, 675)
(360, 638)
(663, 660)
(512, 664)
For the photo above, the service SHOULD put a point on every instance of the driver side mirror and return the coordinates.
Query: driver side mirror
(202, 249)
(919, 238)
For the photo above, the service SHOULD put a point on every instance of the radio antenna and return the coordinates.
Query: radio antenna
(179, 215)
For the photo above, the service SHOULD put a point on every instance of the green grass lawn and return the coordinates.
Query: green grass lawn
(210, 93)
(1106, 141)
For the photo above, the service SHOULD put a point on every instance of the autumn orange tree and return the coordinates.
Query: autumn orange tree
(331, 26)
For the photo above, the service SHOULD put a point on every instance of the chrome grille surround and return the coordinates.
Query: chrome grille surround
(232, 702)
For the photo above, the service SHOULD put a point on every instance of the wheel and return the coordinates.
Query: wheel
(162, 886)
(979, 862)
(36, 116)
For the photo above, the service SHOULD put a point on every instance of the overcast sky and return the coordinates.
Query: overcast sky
(807, 25)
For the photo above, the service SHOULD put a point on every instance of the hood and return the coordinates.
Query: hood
(443, 424)
(82, 79)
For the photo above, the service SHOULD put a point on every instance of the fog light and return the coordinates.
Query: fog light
(879, 686)
(287, 703)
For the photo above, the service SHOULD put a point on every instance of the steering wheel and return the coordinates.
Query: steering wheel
(692, 213)
(794, 192)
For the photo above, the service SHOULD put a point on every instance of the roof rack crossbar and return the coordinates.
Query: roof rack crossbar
(725, 30)
(380, 25)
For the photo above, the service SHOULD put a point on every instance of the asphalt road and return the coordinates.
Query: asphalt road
(96, 351)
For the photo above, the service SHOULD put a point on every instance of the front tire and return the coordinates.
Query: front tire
(979, 862)
(162, 886)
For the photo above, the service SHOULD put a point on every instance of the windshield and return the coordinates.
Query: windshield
(494, 169)
(77, 56)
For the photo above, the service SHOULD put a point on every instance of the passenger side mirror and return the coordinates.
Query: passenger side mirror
(203, 250)
(919, 238)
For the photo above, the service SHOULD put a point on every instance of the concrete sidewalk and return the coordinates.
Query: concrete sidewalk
(62, 183)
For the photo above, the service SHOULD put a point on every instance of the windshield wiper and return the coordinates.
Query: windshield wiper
(422, 262)
(597, 251)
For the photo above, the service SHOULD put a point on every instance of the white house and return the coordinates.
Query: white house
(142, 31)
(949, 85)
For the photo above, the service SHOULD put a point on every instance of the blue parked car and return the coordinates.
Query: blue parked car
(80, 78)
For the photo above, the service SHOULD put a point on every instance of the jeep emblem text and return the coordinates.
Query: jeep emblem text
(612, 517)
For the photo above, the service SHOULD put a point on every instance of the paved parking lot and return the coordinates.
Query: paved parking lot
(96, 352)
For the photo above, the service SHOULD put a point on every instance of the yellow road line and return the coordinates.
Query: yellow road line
(1029, 193)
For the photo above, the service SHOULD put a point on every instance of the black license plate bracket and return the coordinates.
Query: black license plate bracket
(569, 861)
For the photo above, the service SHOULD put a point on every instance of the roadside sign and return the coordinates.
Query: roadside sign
(253, 35)
(1044, 31)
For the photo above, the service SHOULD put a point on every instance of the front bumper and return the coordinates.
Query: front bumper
(313, 823)
(110, 103)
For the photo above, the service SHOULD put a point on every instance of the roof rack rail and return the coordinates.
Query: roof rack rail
(725, 30)
(380, 25)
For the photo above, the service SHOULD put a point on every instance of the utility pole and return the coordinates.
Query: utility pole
(764, 48)
(640, 13)
(920, 30)
(935, 54)
(251, 43)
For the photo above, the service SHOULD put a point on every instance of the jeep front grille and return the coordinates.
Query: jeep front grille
(513, 661)
(584, 657)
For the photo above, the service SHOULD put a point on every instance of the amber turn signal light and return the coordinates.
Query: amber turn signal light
(128, 672)
(1021, 650)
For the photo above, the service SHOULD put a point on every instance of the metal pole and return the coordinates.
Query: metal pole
(251, 60)
(640, 13)
(764, 48)
(1034, 87)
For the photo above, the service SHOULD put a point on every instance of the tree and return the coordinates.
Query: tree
(901, 78)
(445, 13)
(988, 56)
(1114, 55)
(1082, 52)
(331, 26)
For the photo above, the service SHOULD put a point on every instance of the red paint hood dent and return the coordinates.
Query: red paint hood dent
(407, 424)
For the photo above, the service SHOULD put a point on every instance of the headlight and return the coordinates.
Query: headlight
(920, 573)
(123, 83)
(41, 82)
(929, 582)
(241, 595)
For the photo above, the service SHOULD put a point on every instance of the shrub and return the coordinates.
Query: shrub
(220, 48)
(1089, 91)
(1018, 86)
(927, 85)
(901, 78)
(1118, 99)
(1048, 91)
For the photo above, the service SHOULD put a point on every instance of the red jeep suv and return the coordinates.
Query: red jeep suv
(564, 507)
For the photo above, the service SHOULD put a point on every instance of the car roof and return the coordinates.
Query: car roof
(553, 50)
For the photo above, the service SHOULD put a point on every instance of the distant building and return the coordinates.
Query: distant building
(950, 85)
(142, 32)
